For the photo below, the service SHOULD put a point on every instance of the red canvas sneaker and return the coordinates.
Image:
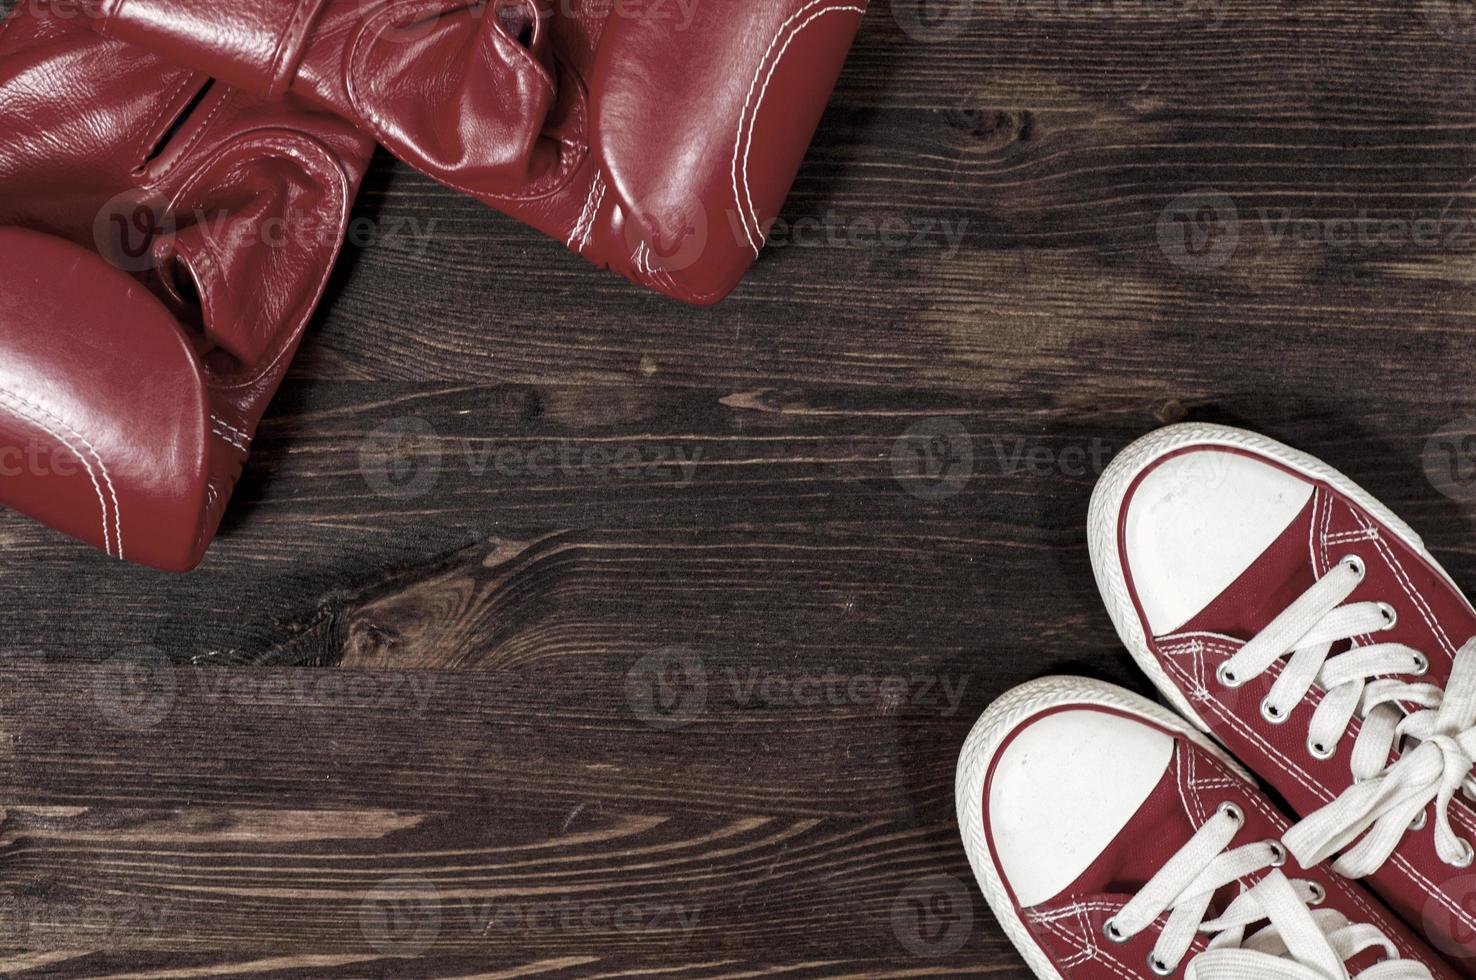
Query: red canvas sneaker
(1281, 608)
(1113, 841)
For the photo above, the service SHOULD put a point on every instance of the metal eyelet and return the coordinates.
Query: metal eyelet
(1465, 860)
(1319, 894)
(1110, 930)
(1418, 823)
(1422, 664)
(1272, 713)
(1278, 853)
(1355, 563)
(1391, 615)
(1159, 967)
(1226, 676)
(1232, 811)
(1320, 751)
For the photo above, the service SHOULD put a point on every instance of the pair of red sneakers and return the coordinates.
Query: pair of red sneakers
(1286, 613)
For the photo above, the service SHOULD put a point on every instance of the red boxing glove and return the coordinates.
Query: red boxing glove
(657, 138)
(163, 243)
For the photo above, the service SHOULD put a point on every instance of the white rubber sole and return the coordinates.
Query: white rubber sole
(984, 741)
(1111, 491)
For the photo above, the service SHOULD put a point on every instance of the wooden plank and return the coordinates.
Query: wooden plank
(538, 589)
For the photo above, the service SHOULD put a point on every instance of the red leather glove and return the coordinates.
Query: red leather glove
(655, 137)
(128, 400)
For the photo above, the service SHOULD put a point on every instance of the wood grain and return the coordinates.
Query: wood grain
(558, 629)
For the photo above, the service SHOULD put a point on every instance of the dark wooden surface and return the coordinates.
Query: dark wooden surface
(425, 713)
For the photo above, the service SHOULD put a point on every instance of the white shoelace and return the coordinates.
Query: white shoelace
(1298, 942)
(1386, 799)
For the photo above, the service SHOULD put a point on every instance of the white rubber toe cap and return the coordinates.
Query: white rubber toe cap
(1063, 789)
(1196, 522)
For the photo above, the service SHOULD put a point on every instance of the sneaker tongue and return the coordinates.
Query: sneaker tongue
(1281, 574)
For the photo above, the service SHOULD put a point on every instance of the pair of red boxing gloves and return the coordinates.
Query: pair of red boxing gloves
(176, 178)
